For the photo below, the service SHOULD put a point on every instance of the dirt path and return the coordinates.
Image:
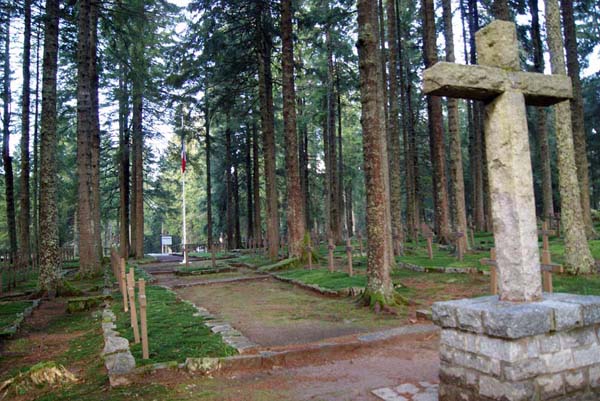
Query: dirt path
(271, 313)
(344, 377)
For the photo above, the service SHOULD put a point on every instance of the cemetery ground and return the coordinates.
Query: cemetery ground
(300, 331)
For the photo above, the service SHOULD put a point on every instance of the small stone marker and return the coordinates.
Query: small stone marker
(144, 323)
(123, 283)
(457, 237)
(349, 255)
(330, 248)
(491, 262)
(545, 232)
(132, 309)
(427, 233)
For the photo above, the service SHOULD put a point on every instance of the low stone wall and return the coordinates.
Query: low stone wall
(19, 318)
(344, 292)
(493, 350)
(116, 353)
(440, 269)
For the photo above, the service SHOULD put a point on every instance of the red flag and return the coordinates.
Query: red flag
(183, 156)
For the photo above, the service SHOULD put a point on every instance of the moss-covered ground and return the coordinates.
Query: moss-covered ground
(174, 333)
(9, 312)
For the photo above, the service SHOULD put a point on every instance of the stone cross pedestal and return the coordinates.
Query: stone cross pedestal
(522, 345)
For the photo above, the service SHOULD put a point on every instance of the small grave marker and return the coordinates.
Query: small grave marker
(330, 248)
(457, 236)
(143, 304)
(548, 268)
(545, 232)
(349, 254)
(491, 262)
(132, 309)
(123, 284)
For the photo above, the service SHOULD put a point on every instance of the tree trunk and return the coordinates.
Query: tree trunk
(138, 169)
(578, 258)
(295, 212)
(249, 200)
(379, 290)
(500, 10)
(6, 158)
(36, 155)
(542, 131)
(124, 144)
(349, 210)
(456, 166)
(393, 129)
(436, 131)
(50, 264)
(335, 226)
(265, 90)
(209, 222)
(24, 203)
(95, 132)
(88, 250)
(579, 137)
(256, 186)
(237, 235)
(229, 212)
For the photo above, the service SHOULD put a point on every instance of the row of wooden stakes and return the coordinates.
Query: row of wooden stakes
(126, 282)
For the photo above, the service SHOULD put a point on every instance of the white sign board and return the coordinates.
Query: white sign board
(166, 240)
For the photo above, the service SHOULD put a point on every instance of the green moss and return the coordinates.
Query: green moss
(281, 265)
(174, 333)
(324, 279)
(9, 311)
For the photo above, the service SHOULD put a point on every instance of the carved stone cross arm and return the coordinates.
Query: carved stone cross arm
(479, 82)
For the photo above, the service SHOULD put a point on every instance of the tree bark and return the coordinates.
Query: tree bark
(124, 172)
(209, 222)
(379, 290)
(579, 137)
(256, 186)
(138, 169)
(50, 264)
(542, 131)
(6, 158)
(24, 193)
(436, 131)
(295, 212)
(229, 212)
(36, 155)
(500, 10)
(393, 128)
(265, 90)
(578, 258)
(456, 167)
(249, 192)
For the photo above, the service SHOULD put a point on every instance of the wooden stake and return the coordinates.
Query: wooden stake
(491, 262)
(430, 246)
(132, 309)
(142, 298)
(360, 244)
(349, 254)
(123, 284)
(330, 247)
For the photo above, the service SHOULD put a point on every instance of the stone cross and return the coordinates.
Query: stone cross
(505, 90)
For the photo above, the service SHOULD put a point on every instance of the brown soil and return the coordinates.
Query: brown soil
(32, 344)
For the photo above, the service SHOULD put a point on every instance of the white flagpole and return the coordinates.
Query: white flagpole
(185, 253)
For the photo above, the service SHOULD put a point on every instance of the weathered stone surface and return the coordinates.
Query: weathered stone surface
(551, 385)
(586, 356)
(119, 363)
(516, 321)
(511, 192)
(525, 369)
(595, 376)
(590, 306)
(202, 365)
(407, 388)
(496, 45)
(549, 343)
(114, 344)
(578, 338)
(508, 351)
(387, 394)
(426, 396)
(485, 83)
(510, 391)
(566, 315)
(558, 361)
(575, 381)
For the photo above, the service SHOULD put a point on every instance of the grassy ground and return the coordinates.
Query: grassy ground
(173, 332)
(10, 310)
(324, 279)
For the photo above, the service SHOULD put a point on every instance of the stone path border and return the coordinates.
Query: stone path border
(219, 281)
(20, 317)
(421, 391)
(441, 269)
(344, 292)
(267, 360)
(116, 353)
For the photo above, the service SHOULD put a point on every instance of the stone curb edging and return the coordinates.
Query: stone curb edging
(116, 353)
(203, 272)
(267, 360)
(220, 281)
(344, 292)
(16, 325)
(441, 269)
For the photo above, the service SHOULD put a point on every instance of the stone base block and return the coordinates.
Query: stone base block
(500, 351)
